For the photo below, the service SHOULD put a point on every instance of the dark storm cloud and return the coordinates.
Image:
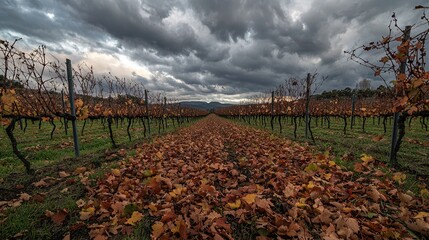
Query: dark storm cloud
(212, 48)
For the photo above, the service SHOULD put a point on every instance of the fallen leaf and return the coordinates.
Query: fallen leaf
(311, 167)
(424, 193)
(422, 215)
(116, 172)
(234, 205)
(25, 196)
(310, 185)
(40, 183)
(157, 229)
(80, 203)
(353, 224)
(301, 203)
(86, 213)
(367, 158)
(405, 198)
(135, 217)
(63, 174)
(249, 198)
(289, 191)
(377, 138)
(67, 237)
(38, 198)
(159, 155)
(80, 170)
(58, 217)
(399, 177)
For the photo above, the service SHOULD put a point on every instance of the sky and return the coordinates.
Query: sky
(208, 50)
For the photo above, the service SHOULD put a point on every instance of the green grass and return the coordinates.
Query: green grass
(30, 218)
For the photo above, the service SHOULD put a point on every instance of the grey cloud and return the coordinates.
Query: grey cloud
(212, 48)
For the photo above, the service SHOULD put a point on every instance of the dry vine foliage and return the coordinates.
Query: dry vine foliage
(404, 58)
(34, 87)
(219, 180)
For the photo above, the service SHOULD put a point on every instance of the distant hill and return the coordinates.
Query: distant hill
(204, 105)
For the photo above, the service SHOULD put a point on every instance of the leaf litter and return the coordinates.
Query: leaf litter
(190, 186)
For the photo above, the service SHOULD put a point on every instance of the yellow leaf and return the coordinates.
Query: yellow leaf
(327, 176)
(250, 198)
(177, 191)
(152, 207)
(116, 172)
(157, 229)
(367, 158)
(301, 203)
(399, 177)
(135, 217)
(422, 215)
(310, 185)
(332, 163)
(424, 193)
(311, 167)
(87, 213)
(235, 205)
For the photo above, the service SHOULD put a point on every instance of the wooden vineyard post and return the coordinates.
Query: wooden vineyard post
(272, 111)
(164, 117)
(147, 110)
(352, 122)
(64, 111)
(307, 105)
(394, 141)
(72, 107)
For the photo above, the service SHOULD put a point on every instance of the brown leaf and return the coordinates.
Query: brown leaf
(353, 224)
(25, 196)
(40, 183)
(67, 237)
(58, 217)
(80, 170)
(157, 229)
(63, 174)
(405, 198)
(377, 138)
(168, 216)
(375, 195)
(38, 198)
(289, 191)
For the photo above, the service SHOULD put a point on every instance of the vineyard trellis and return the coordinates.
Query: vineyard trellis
(33, 87)
(407, 96)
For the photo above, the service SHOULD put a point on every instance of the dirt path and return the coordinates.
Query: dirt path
(219, 180)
